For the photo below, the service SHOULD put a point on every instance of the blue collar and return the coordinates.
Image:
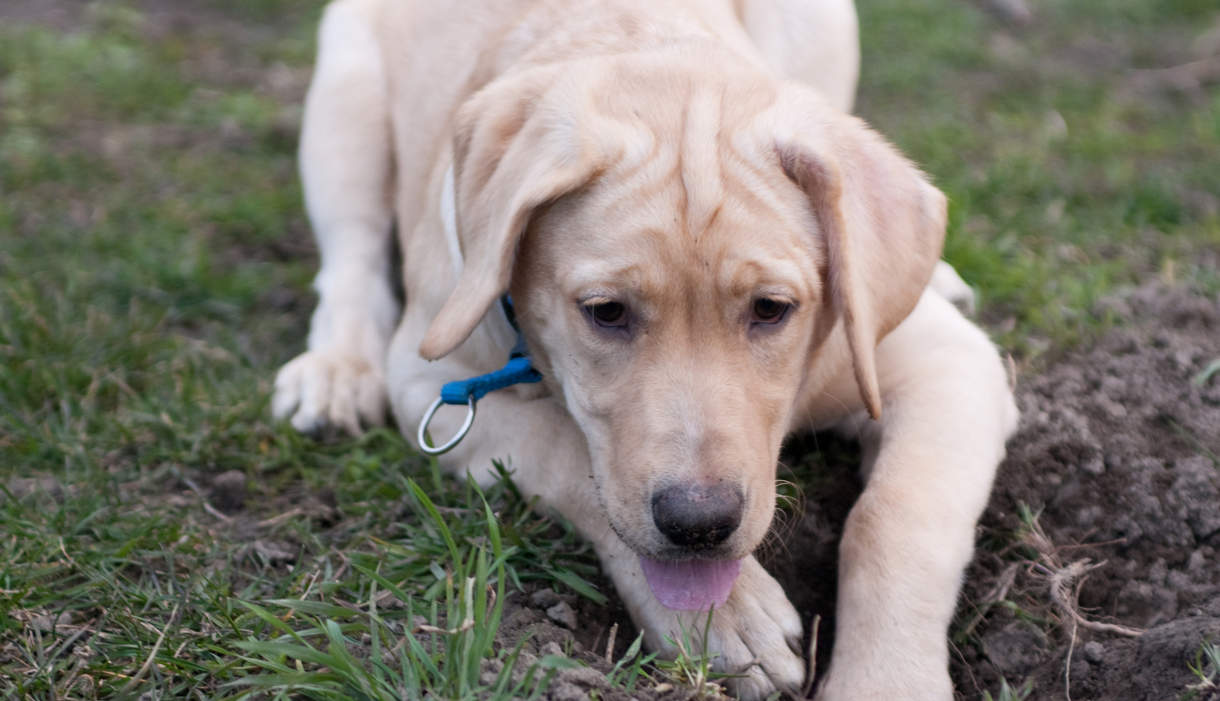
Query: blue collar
(518, 370)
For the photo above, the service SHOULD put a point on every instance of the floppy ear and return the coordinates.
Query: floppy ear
(883, 224)
(516, 148)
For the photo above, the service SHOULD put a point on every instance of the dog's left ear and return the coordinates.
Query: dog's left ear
(883, 223)
(518, 146)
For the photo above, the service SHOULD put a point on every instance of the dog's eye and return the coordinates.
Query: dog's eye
(607, 314)
(768, 311)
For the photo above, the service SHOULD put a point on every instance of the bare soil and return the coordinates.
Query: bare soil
(1117, 457)
(1111, 492)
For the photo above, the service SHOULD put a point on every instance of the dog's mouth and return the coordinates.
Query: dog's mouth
(690, 585)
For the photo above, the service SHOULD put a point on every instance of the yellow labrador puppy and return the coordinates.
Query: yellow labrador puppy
(705, 252)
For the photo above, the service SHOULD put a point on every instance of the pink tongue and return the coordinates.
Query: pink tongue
(693, 585)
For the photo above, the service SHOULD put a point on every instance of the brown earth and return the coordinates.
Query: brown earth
(1117, 456)
(1115, 469)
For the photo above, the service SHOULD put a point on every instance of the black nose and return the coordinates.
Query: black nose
(697, 517)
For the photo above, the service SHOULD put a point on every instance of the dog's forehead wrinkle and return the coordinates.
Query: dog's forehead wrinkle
(703, 113)
(700, 280)
(782, 248)
(699, 159)
(753, 275)
(602, 274)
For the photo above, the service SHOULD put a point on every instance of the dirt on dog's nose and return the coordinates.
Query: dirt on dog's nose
(695, 516)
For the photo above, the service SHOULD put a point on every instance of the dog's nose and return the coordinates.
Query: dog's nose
(697, 517)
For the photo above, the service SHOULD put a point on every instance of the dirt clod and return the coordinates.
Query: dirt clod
(544, 598)
(1016, 649)
(229, 491)
(563, 614)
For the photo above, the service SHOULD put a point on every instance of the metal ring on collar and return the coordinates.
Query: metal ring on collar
(457, 437)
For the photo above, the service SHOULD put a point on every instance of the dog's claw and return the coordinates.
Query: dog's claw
(320, 389)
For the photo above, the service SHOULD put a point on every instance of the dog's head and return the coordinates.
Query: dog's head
(683, 243)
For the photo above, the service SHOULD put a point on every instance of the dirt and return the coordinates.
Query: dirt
(1115, 469)
(1117, 457)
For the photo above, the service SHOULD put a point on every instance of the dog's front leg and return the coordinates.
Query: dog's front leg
(948, 411)
(345, 169)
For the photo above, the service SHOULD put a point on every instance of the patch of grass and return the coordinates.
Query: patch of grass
(50, 79)
(1008, 692)
(1205, 667)
(632, 666)
(691, 667)
(1072, 168)
(387, 642)
(1206, 374)
(112, 583)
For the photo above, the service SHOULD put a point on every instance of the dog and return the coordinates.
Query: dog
(704, 253)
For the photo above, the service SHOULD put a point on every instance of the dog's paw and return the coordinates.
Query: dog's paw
(755, 636)
(318, 389)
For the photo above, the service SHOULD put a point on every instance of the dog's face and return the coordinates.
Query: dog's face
(680, 241)
(672, 301)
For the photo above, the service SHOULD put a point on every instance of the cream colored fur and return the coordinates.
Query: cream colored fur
(686, 159)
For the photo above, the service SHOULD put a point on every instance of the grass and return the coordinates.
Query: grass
(396, 643)
(632, 666)
(691, 668)
(1206, 668)
(154, 268)
(1072, 166)
(1009, 693)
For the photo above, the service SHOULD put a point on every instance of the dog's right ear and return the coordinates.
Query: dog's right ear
(882, 222)
(518, 146)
